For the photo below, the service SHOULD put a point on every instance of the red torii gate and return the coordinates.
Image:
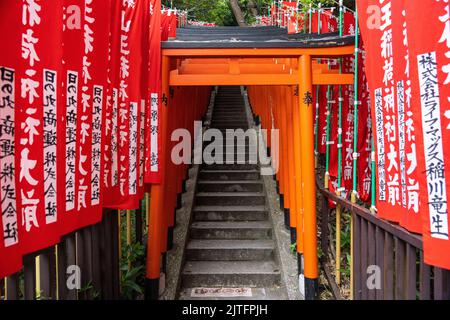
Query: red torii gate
(207, 65)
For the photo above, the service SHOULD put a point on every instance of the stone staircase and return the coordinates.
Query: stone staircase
(230, 247)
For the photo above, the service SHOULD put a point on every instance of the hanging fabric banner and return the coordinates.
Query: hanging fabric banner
(430, 95)
(96, 18)
(30, 72)
(152, 138)
(126, 69)
(380, 63)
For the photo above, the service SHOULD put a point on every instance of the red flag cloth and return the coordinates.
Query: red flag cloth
(126, 69)
(165, 22)
(328, 22)
(96, 18)
(382, 83)
(37, 127)
(86, 40)
(73, 50)
(172, 24)
(153, 144)
(364, 163)
(430, 95)
(10, 60)
(30, 72)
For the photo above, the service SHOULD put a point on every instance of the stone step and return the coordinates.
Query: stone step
(226, 175)
(230, 273)
(231, 230)
(229, 186)
(238, 293)
(229, 250)
(230, 198)
(230, 213)
(225, 167)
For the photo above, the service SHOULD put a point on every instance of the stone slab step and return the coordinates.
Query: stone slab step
(229, 186)
(230, 198)
(229, 175)
(229, 250)
(232, 230)
(230, 273)
(230, 213)
(234, 166)
(238, 293)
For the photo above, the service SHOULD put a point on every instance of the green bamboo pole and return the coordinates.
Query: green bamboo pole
(339, 177)
(310, 18)
(355, 149)
(316, 125)
(373, 180)
(356, 104)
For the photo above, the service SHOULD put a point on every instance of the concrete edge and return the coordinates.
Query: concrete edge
(282, 238)
(175, 257)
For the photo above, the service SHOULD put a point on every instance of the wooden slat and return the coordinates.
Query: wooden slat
(324, 237)
(364, 256)
(371, 245)
(29, 269)
(425, 278)
(441, 284)
(400, 269)
(107, 254)
(411, 273)
(357, 257)
(388, 266)
(139, 224)
(13, 287)
(62, 267)
(379, 240)
(45, 262)
(115, 262)
(70, 250)
(88, 263)
(96, 259)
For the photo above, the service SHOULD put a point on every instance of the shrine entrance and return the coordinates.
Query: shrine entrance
(253, 57)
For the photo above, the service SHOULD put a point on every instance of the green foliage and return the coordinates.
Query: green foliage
(293, 248)
(89, 287)
(132, 270)
(219, 11)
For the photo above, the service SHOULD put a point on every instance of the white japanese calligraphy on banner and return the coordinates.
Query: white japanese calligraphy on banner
(96, 144)
(114, 139)
(380, 144)
(154, 133)
(7, 161)
(133, 148)
(50, 141)
(433, 148)
(142, 144)
(71, 137)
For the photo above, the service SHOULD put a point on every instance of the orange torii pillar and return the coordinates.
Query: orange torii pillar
(157, 219)
(308, 178)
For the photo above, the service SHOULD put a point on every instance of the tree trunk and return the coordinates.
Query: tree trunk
(238, 13)
(252, 8)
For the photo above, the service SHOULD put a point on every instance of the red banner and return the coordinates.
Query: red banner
(409, 77)
(29, 78)
(126, 69)
(430, 95)
(153, 144)
(382, 83)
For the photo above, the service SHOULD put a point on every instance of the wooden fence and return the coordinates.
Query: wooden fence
(380, 247)
(85, 265)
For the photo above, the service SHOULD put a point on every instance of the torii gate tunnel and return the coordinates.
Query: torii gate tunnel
(214, 57)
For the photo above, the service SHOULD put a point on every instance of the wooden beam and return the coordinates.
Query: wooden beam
(227, 79)
(331, 52)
